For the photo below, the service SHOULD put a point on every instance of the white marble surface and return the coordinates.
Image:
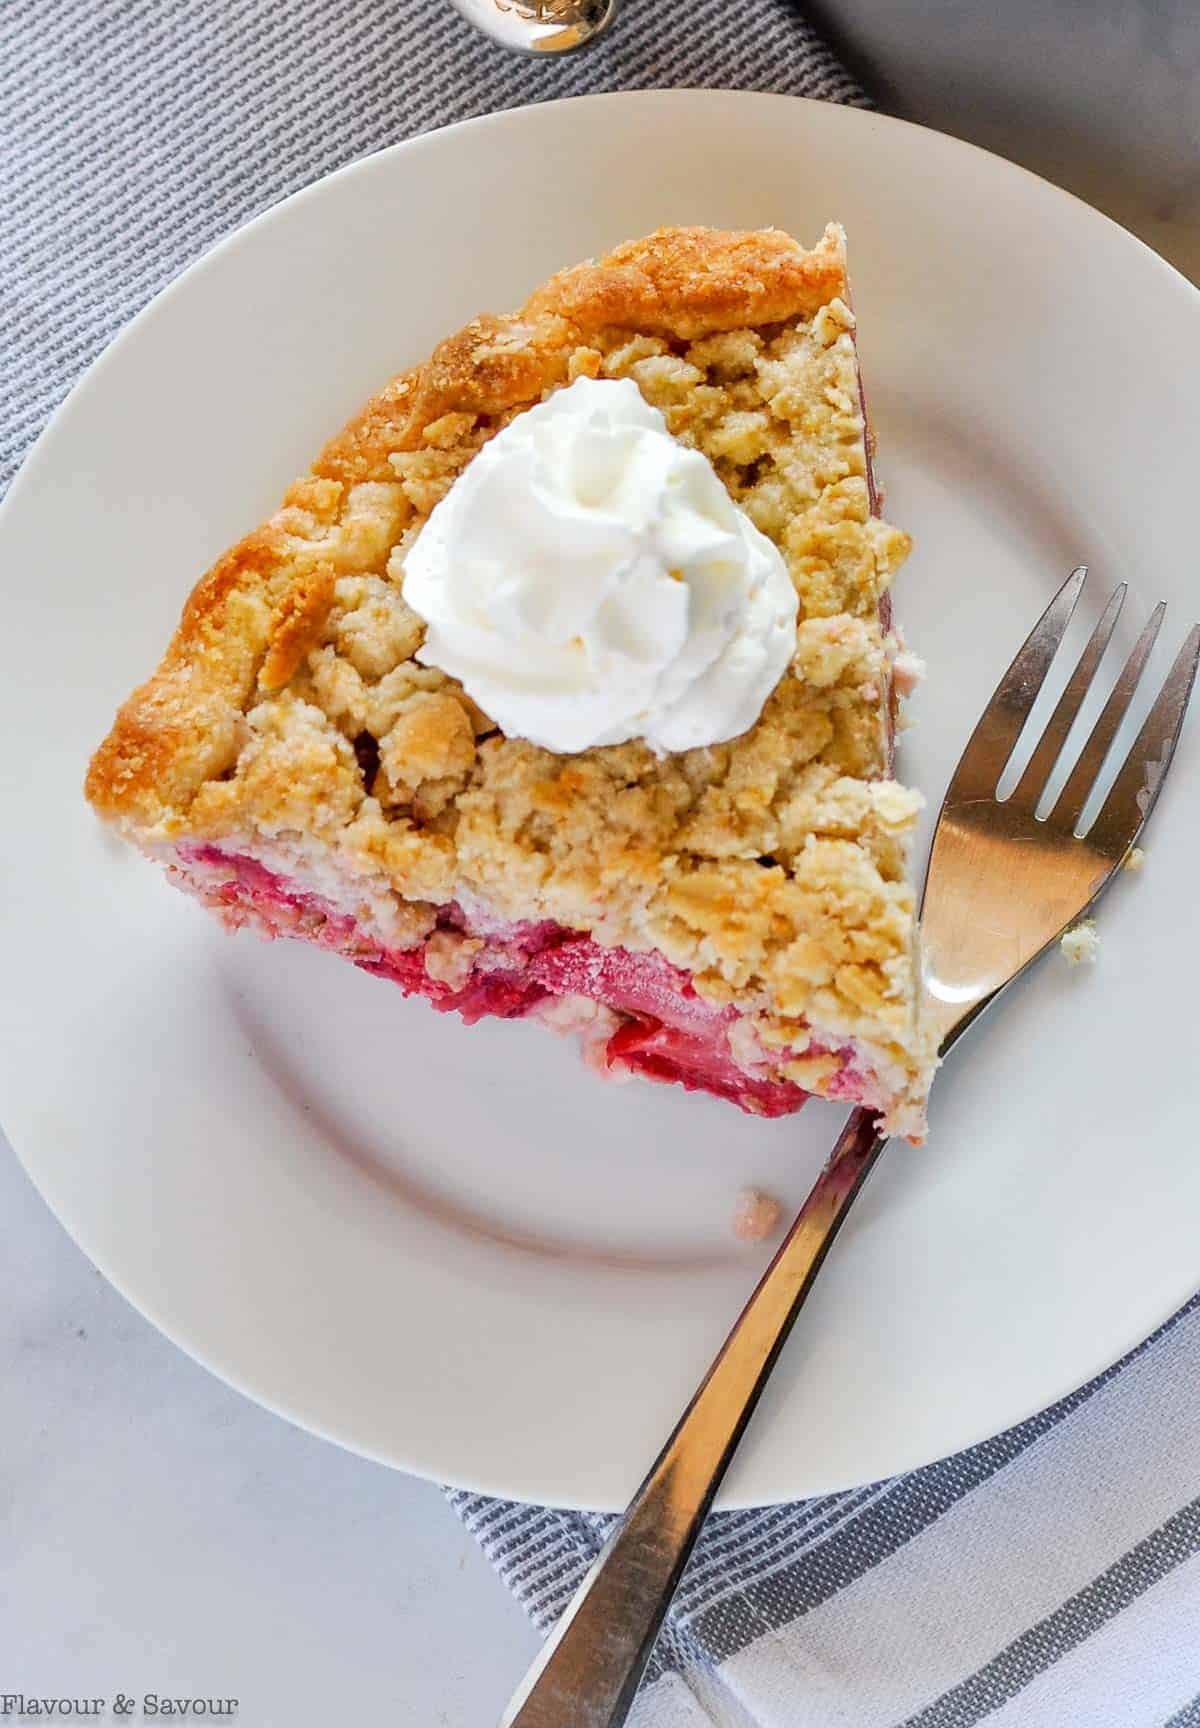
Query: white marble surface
(160, 1533)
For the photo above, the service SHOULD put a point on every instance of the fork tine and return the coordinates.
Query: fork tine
(1000, 725)
(1050, 745)
(1092, 757)
(1136, 788)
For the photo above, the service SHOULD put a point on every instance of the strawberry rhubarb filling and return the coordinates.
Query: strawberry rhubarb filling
(634, 1013)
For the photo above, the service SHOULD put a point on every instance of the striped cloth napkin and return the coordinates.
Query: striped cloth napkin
(1047, 1579)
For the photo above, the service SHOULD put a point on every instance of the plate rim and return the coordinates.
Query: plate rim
(497, 117)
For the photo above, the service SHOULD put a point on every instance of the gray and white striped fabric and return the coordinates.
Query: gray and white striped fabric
(1047, 1579)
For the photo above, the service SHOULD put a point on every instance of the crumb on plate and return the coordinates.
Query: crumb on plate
(1081, 943)
(1134, 858)
(756, 1215)
(908, 669)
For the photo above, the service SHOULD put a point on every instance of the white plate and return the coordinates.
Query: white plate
(456, 1250)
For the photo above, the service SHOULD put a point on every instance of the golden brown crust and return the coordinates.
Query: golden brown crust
(681, 283)
(686, 283)
(771, 867)
(181, 727)
(297, 626)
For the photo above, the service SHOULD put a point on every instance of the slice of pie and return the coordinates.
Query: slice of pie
(733, 916)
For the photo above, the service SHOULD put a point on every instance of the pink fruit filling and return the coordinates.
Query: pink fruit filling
(660, 1027)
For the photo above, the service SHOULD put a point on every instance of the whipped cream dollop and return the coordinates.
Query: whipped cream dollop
(589, 580)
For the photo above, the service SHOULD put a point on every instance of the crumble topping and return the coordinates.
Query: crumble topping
(591, 1022)
(450, 958)
(290, 715)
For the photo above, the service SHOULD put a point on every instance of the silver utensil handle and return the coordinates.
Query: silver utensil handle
(589, 1670)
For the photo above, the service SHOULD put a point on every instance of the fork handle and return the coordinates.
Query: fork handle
(590, 1667)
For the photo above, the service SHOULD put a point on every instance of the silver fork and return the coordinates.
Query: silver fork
(1003, 884)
